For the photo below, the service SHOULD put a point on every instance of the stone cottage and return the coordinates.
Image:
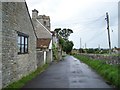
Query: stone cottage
(44, 37)
(17, 42)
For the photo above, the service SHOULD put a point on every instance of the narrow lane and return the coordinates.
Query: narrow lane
(69, 73)
(82, 76)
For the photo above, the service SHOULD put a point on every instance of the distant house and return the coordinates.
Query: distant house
(44, 37)
(54, 38)
(116, 50)
(75, 51)
(17, 42)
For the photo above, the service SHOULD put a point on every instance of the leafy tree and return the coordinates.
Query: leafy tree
(65, 33)
(57, 31)
(62, 35)
(67, 47)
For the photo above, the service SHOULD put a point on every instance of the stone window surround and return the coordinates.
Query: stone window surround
(22, 43)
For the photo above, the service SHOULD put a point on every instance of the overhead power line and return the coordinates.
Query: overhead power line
(96, 36)
(85, 21)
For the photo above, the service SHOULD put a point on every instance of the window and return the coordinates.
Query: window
(44, 23)
(22, 43)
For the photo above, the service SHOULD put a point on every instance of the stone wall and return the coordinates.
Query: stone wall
(15, 17)
(49, 56)
(40, 58)
(59, 54)
(41, 55)
(0, 45)
(110, 59)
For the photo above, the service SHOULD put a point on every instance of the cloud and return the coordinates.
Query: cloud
(85, 17)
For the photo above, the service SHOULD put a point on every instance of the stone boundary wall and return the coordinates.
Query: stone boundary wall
(40, 58)
(109, 59)
(48, 57)
(0, 46)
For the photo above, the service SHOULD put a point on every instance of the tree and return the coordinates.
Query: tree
(65, 33)
(57, 31)
(67, 47)
(64, 43)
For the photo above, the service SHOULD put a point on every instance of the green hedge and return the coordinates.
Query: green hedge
(110, 73)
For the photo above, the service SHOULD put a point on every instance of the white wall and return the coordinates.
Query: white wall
(45, 57)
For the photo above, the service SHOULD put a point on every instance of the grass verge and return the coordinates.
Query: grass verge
(20, 83)
(111, 73)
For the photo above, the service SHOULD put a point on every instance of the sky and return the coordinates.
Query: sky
(85, 17)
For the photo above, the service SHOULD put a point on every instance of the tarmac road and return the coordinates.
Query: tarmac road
(69, 73)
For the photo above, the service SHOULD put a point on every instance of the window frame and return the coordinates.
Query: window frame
(22, 42)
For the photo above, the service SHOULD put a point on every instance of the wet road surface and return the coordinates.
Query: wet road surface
(69, 73)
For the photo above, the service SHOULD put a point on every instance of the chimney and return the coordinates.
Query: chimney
(34, 13)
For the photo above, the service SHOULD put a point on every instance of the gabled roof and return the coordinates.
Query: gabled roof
(43, 42)
(41, 31)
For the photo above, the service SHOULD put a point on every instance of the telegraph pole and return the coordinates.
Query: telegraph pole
(107, 19)
(80, 43)
(85, 45)
(80, 46)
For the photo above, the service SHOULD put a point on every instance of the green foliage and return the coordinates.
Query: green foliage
(94, 51)
(81, 50)
(64, 33)
(68, 46)
(64, 43)
(55, 52)
(61, 41)
(109, 72)
(20, 83)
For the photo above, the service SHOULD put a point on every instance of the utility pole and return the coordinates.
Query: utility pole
(107, 19)
(85, 45)
(80, 46)
(80, 43)
(99, 46)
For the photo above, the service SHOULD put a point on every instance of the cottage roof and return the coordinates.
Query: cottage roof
(43, 42)
(41, 30)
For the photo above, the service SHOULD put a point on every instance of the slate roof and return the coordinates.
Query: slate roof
(41, 31)
(44, 36)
